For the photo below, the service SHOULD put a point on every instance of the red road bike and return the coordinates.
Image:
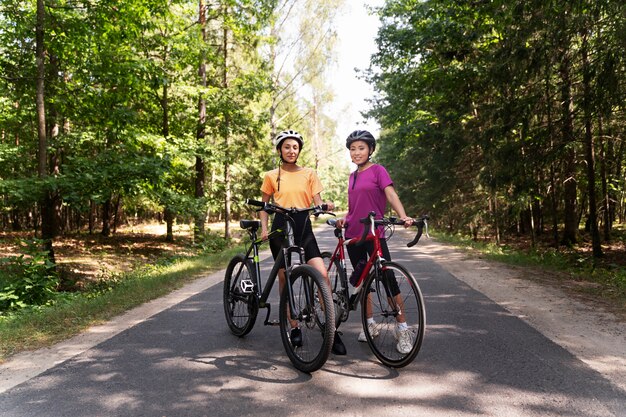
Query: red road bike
(387, 291)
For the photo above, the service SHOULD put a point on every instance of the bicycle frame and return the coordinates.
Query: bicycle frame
(387, 292)
(340, 254)
(302, 316)
(286, 253)
(375, 259)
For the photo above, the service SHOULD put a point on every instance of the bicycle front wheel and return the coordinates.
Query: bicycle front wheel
(393, 296)
(306, 336)
(337, 277)
(241, 305)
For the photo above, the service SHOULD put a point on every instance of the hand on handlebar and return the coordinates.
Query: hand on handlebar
(408, 221)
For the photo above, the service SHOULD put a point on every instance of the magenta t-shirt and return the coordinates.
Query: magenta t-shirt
(367, 194)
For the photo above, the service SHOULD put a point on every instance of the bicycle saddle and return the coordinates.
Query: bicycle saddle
(250, 224)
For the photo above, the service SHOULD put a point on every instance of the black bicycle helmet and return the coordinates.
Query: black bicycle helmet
(288, 134)
(363, 135)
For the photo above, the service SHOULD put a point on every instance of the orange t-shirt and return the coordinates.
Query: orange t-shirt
(296, 188)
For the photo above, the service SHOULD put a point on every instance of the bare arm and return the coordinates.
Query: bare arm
(396, 204)
(317, 200)
(264, 217)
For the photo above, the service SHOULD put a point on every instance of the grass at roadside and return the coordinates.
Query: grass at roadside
(73, 312)
(574, 268)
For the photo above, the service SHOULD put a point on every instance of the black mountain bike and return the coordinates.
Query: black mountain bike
(302, 301)
(387, 291)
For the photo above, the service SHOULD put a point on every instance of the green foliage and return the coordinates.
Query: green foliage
(30, 278)
(33, 328)
(122, 95)
(212, 242)
(482, 109)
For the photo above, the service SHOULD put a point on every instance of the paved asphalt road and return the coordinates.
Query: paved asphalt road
(477, 359)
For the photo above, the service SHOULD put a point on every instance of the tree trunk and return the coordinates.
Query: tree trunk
(92, 216)
(605, 152)
(227, 179)
(168, 213)
(116, 212)
(47, 207)
(169, 222)
(570, 231)
(200, 215)
(106, 218)
(531, 217)
(618, 174)
(16, 225)
(589, 150)
(553, 191)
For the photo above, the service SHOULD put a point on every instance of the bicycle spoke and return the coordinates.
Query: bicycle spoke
(336, 275)
(310, 295)
(395, 297)
(240, 307)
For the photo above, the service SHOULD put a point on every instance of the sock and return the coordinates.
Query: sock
(403, 326)
(371, 321)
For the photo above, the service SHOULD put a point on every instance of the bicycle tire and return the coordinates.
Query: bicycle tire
(383, 338)
(240, 308)
(312, 318)
(337, 277)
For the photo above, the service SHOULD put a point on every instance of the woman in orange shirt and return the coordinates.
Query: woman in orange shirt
(291, 185)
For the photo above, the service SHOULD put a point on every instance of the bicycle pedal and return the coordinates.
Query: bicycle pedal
(247, 286)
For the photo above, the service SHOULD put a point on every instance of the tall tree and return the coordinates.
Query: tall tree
(200, 216)
(48, 223)
(502, 101)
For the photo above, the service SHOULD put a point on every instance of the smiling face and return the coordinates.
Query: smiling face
(359, 152)
(290, 149)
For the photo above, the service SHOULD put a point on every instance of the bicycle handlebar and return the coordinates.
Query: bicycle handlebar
(275, 208)
(420, 222)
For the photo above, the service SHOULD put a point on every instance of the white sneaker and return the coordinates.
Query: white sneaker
(405, 341)
(373, 330)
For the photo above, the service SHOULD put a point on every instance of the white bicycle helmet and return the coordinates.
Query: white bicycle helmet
(288, 134)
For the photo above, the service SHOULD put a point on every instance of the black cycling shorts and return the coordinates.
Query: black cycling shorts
(303, 236)
(358, 252)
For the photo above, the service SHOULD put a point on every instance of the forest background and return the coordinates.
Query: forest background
(503, 120)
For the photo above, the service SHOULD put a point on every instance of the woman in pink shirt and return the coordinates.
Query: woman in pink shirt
(369, 189)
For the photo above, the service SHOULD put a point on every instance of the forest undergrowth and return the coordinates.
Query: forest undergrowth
(571, 268)
(99, 277)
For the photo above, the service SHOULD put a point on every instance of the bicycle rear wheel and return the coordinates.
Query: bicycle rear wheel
(241, 305)
(337, 277)
(393, 293)
(311, 295)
